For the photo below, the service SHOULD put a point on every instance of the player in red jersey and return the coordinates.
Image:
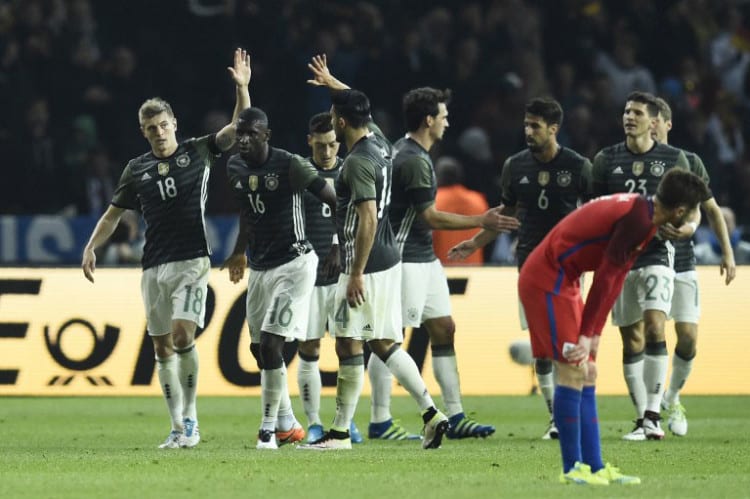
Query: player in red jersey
(604, 236)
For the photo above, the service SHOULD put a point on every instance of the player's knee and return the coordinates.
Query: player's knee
(570, 375)
(309, 349)
(653, 325)
(347, 347)
(591, 373)
(255, 350)
(271, 354)
(442, 330)
(687, 340)
(632, 339)
(543, 366)
(163, 345)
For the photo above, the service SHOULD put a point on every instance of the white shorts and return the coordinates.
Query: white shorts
(175, 290)
(278, 299)
(321, 311)
(424, 293)
(686, 305)
(647, 288)
(379, 317)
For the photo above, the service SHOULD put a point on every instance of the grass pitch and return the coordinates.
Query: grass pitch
(106, 447)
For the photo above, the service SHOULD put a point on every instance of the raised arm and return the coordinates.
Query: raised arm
(322, 76)
(241, 74)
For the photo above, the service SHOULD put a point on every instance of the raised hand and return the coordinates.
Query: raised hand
(322, 76)
(241, 71)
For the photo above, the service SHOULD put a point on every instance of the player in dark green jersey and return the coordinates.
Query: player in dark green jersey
(321, 231)
(366, 307)
(169, 185)
(637, 165)
(542, 184)
(425, 298)
(270, 185)
(685, 300)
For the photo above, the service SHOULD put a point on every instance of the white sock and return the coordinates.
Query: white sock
(633, 372)
(169, 380)
(308, 380)
(187, 367)
(381, 384)
(271, 382)
(349, 384)
(655, 366)
(547, 388)
(286, 413)
(680, 371)
(405, 371)
(445, 368)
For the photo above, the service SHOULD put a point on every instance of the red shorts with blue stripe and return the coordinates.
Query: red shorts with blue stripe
(554, 318)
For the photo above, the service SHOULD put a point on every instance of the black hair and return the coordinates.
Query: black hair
(353, 106)
(680, 187)
(422, 102)
(320, 123)
(546, 108)
(645, 98)
(252, 114)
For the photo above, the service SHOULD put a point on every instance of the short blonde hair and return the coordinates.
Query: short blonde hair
(152, 107)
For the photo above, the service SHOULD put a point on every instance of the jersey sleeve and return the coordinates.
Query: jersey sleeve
(360, 176)
(206, 146)
(301, 173)
(599, 175)
(508, 196)
(125, 195)
(631, 233)
(587, 180)
(697, 167)
(416, 178)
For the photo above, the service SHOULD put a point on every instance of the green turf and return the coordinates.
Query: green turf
(106, 447)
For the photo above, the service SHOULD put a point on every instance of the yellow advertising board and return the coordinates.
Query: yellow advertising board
(61, 335)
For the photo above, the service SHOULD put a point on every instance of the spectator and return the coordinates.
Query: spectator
(453, 197)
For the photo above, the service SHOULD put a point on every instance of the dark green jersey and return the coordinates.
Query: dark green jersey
(366, 176)
(617, 169)
(319, 223)
(684, 256)
(414, 189)
(543, 193)
(171, 194)
(272, 200)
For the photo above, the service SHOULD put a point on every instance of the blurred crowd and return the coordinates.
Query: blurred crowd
(74, 72)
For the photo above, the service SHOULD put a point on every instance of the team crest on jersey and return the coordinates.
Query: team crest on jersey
(163, 169)
(330, 182)
(638, 167)
(564, 178)
(183, 160)
(657, 168)
(543, 178)
(272, 181)
(252, 182)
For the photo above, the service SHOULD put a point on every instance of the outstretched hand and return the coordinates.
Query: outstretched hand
(236, 264)
(494, 220)
(241, 71)
(462, 250)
